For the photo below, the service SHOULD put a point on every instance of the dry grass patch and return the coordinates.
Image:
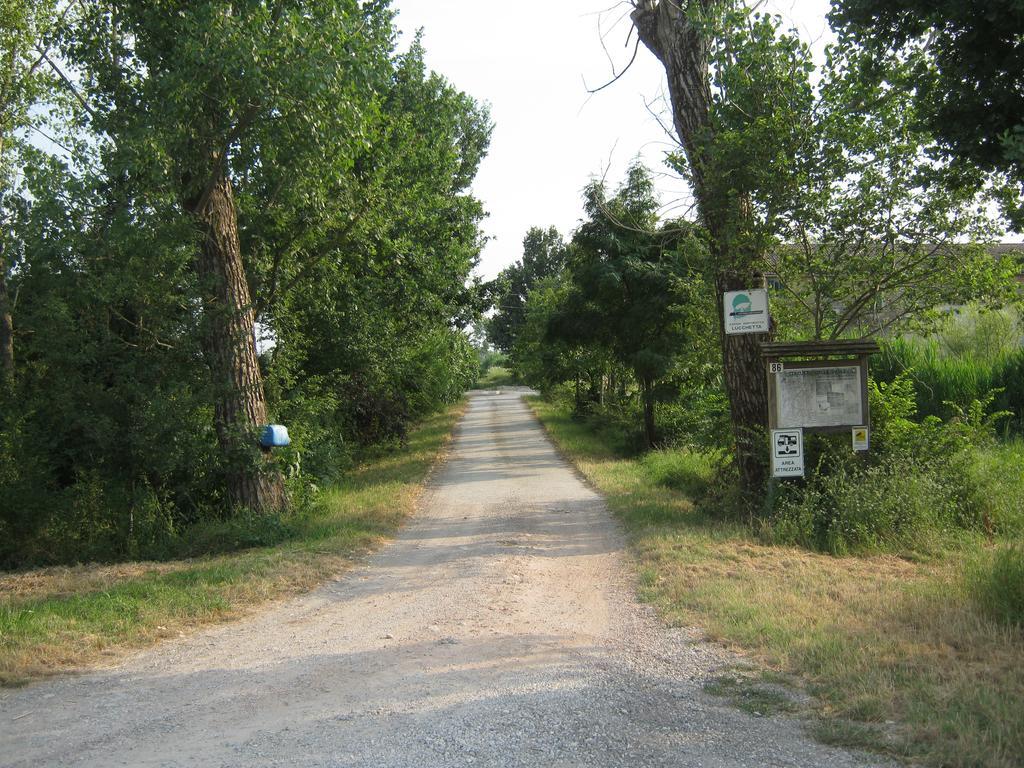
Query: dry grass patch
(62, 581)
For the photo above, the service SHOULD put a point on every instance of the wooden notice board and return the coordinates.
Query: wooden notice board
(818, 386)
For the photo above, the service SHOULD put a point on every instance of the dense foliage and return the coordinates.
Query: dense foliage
(345, 167)
(856, 215)
(836, 189)
(968, 357)
(924, 480)
(629, 289)
(615, 321)
(961, 61)
(543, 256)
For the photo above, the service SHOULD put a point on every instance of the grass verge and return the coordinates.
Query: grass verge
(58, 619)
(897, 654)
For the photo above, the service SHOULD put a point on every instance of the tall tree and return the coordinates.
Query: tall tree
(189, 95)
(682, 35)
(629, 287)
(543, 256)
(353, 286)
(877, 229)
(853, 209)
(25, 31)
(357, 234)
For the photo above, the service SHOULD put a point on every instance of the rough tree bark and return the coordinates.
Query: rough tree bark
(668, 31)
(229, 343)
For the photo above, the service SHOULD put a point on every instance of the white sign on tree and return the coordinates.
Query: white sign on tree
(746, 311)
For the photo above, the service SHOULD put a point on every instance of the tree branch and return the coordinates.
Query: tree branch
(617, 77)
(251, 111)
(67, 81)
(338, 240)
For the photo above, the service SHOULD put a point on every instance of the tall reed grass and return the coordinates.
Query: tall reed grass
(969, 356)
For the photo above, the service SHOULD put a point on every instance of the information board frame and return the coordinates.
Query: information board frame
(836, 354)
(776, 395)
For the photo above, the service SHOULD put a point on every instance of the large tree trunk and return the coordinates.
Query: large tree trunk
(747, 387)
(230, 346)
(666, 29)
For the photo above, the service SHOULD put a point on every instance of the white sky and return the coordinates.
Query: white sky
(529, 60)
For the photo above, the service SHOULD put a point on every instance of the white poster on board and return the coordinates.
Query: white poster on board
(820, 397)
(746, 311)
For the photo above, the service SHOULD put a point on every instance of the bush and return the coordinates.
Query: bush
(79, 483)
(984, 335)
(922, 483)
(126, 467)
(700, 419)
(241, 531)
(996, 476)
(902, 506)
(491, 358)
(996, 585)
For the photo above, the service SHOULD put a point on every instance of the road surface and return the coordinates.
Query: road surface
(499, 629)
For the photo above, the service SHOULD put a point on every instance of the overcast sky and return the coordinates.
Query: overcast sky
(532, 61)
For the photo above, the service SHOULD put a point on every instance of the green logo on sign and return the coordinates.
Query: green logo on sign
(743, 307)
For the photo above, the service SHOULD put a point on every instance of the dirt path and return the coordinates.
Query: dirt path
(500, 629)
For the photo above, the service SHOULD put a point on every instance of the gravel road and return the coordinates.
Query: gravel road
(499, 629)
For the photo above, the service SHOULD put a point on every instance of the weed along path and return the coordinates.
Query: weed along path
(499, 629)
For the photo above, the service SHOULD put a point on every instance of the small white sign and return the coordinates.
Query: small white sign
(776, 367)
(861, 438)
(787, 452)
(746, 311)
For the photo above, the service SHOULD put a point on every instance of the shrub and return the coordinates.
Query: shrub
(985, 335)
(491, 358)
(241, 531)
(900, 506)
(996, 478)
(922, 483)
(698, 419)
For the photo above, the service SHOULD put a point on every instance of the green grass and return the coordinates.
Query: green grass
(999, 472)
(754, 694)
(995, 583)
(496, 376)
(897, 654)
(57, 619)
